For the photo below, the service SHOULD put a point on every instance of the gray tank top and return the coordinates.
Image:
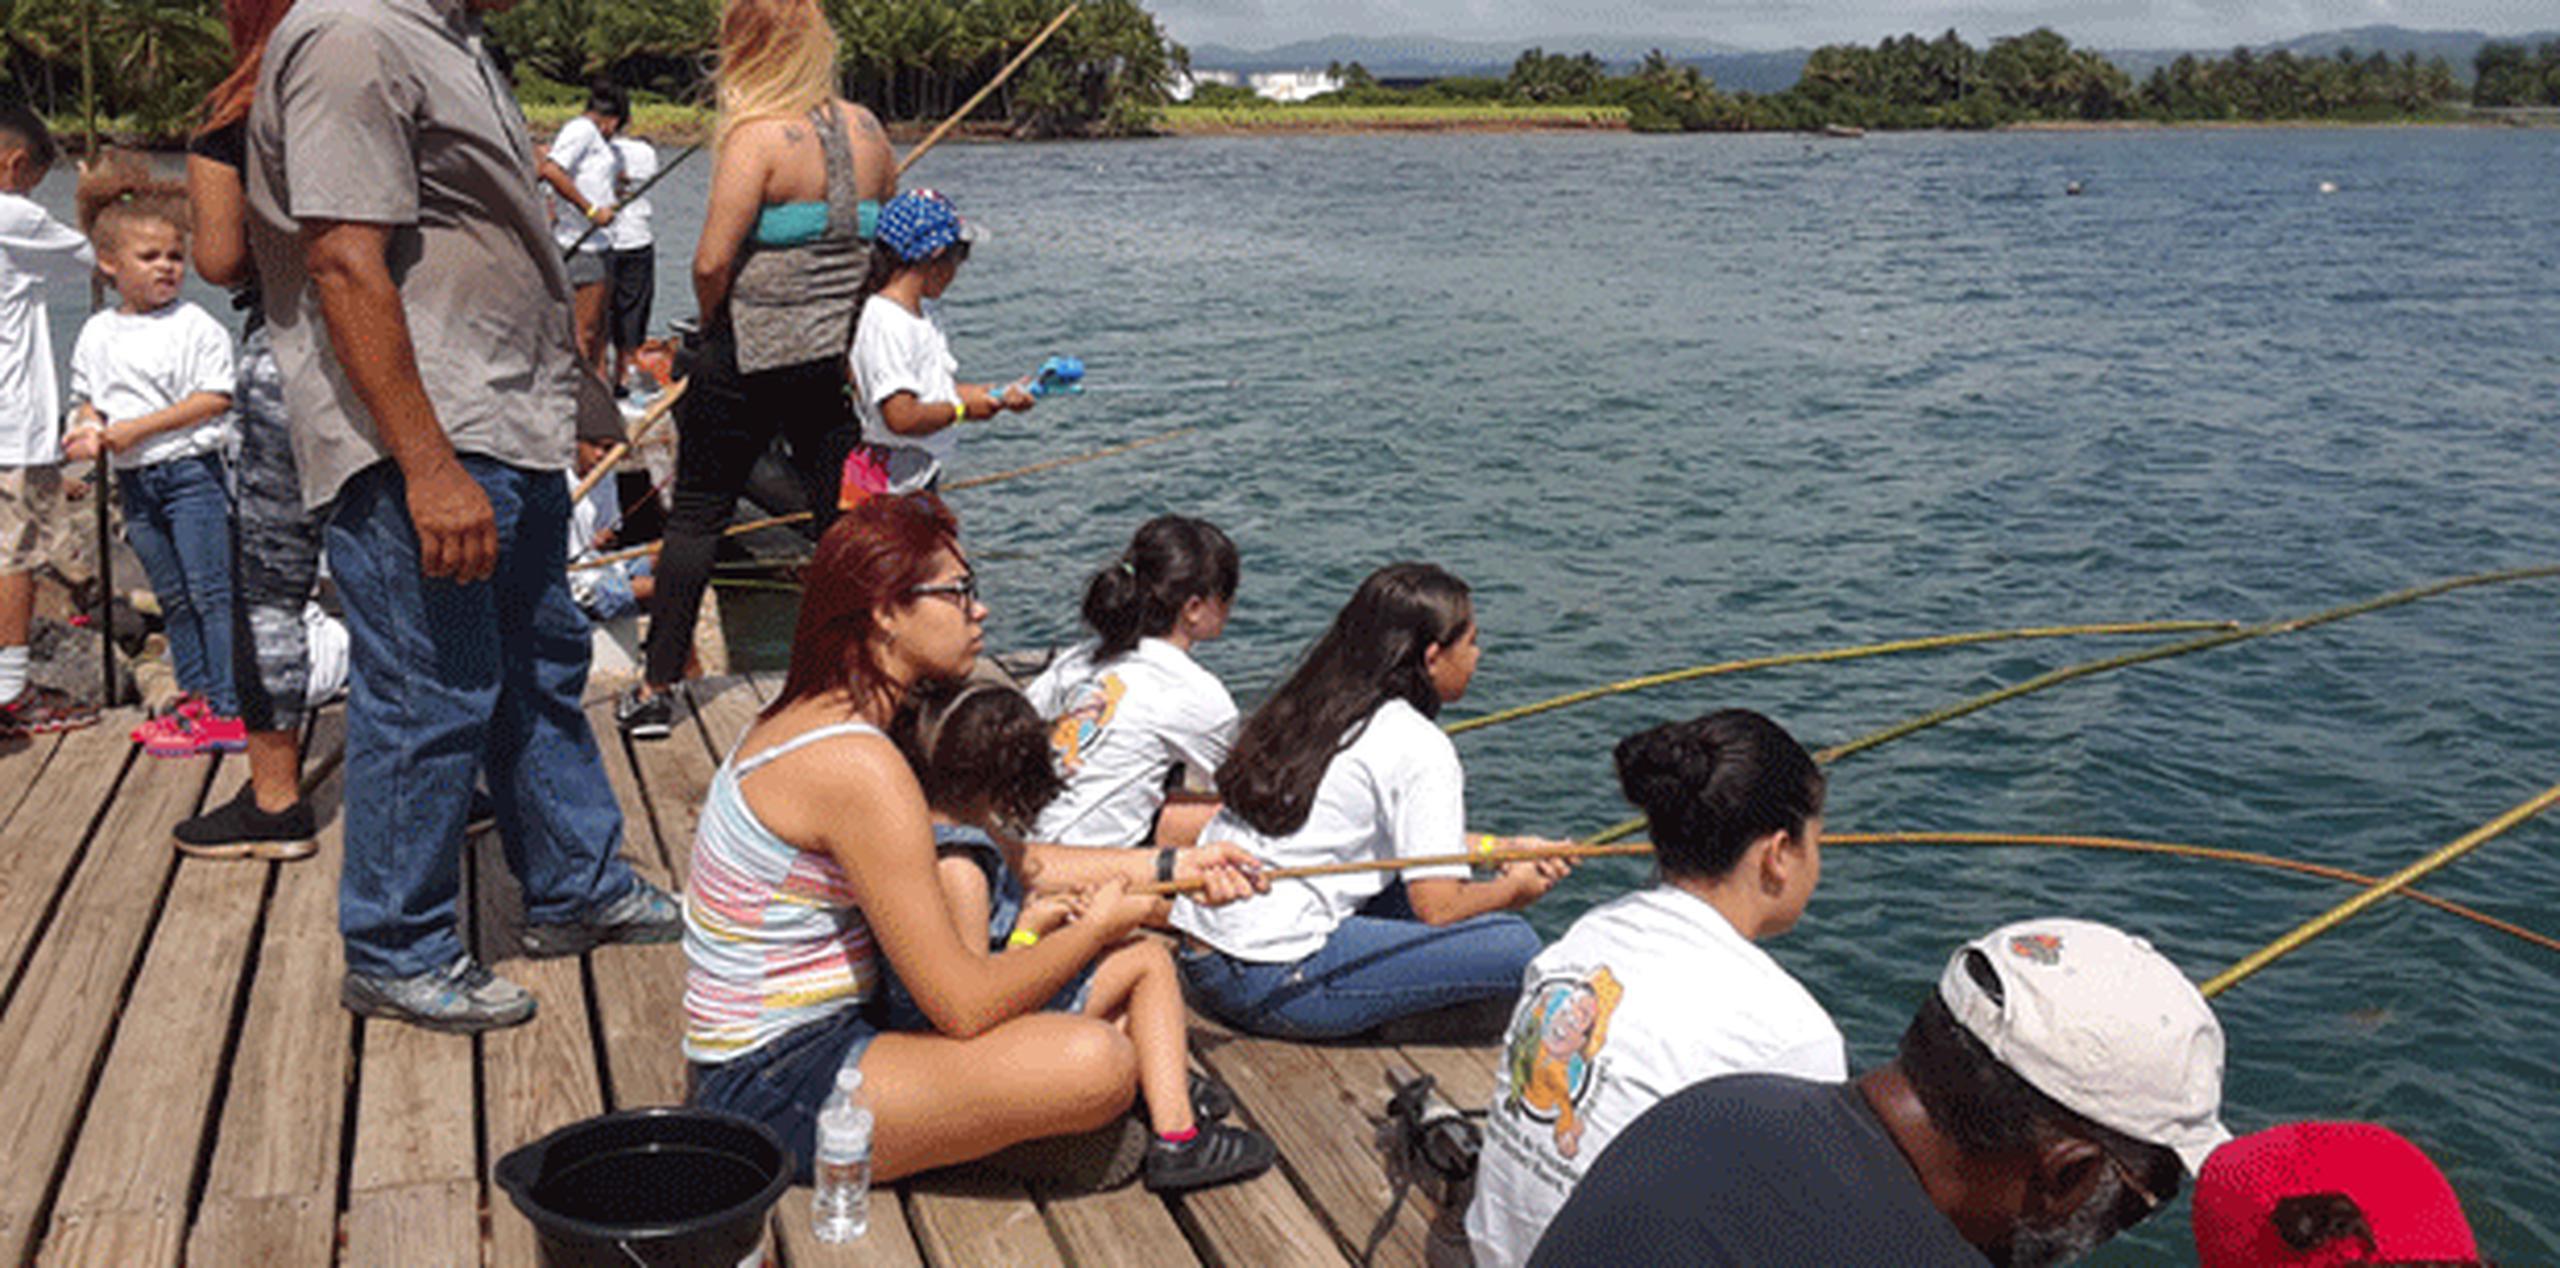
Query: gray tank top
(793, 304)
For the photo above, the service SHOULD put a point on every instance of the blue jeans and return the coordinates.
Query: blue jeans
(783, 1084)
(177, 518)
(451, 681)
(1379, 965)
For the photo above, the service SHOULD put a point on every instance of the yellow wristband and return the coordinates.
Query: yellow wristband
(959, 410)
(1486, 844)
(1023, 938)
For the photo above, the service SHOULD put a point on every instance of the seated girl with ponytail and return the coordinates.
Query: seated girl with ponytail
(1130, 709)
(1344, 764)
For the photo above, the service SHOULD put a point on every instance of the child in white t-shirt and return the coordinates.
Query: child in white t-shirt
(151, 380)
(1343, 764)
(1130, 709)
(906, 392)
(37, 252)
(1662, 988)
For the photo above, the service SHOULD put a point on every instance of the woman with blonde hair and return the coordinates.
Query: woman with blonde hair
(795, 193)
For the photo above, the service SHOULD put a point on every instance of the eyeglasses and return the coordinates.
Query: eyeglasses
(964, 591)
(2151, 1202)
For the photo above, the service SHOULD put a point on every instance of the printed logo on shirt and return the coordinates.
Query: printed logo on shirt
(1076, 729)
(1553, 1052)
(2043, 948)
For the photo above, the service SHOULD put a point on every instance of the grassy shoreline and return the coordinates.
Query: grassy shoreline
(685, 125)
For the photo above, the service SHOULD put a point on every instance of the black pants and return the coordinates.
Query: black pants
(725, 421)
(633, 275)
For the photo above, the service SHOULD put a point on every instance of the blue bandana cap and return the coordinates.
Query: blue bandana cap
(921, 224)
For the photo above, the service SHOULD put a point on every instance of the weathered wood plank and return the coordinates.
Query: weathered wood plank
(1322, 1114)
(414, 1188)
(270, 1198)
(677, 773)
(538, 1076)
(639, 990)
(124, 1198)
(55, 1031)
(416, 1223)
(1255, 1222)
(45, 832)
(969, 1217)
(1127, 1225)
(889, 1243)
(22, 758)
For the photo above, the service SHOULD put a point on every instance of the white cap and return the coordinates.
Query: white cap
(2103, 1024)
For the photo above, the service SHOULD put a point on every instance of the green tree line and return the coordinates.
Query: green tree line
(2511, 75)
(1912, 82)
(1105, 73)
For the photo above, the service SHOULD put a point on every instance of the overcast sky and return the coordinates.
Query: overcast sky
(1770, 24)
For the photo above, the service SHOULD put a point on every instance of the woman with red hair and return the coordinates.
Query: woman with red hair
(815, 859)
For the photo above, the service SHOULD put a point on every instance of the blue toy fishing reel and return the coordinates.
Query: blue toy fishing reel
(1058, 376)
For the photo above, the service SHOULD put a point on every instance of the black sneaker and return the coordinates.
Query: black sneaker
(1216, 1154)
(237, 829)
(1211, 1100)
(644, 914)
(649, 718)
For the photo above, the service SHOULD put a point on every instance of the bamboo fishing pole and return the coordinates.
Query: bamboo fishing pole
(641, 191)
(649, 420)
(973, 482)
(2379, 890)
(934, 137)
(1931, 643)
(2068, 673)
(2121, 845)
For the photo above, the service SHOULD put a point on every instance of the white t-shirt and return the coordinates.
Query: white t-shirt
(898, 351)
(599, 509)
(630, 228)
(1118, 728)
(130, 364)
(1643, 996)
(581, 150)
(35, 249)
(1396, 792)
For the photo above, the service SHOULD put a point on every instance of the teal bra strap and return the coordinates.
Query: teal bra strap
(791, 224)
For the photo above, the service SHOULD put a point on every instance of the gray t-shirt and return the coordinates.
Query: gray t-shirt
(1753, 1171)
(388, 112)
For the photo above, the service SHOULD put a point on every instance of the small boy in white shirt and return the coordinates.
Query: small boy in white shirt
(153, 379)
(36, 250)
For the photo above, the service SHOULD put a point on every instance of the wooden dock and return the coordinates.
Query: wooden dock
(179, 1084)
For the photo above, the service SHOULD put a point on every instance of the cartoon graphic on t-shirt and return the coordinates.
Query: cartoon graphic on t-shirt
(1554, 1049)
(1076, 729)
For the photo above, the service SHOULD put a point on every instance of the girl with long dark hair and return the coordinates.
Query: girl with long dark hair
(1343, 763)
(1130, 710)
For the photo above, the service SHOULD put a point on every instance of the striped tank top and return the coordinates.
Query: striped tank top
(772, 939)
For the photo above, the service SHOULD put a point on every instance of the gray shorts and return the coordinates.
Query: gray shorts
(586, 268)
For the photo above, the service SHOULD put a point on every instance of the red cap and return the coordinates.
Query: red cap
(2406, 1201)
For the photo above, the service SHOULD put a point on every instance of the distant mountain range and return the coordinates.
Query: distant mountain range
(1748, 70)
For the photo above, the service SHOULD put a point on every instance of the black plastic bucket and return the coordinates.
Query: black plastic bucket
(666, 1188)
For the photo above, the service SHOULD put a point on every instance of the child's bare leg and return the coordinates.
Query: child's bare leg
(1135, 984)
(17, 607)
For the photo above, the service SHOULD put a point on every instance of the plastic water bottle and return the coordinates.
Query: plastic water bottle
(840, 1209)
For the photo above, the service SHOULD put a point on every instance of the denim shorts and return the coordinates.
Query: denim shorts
(782, 1084)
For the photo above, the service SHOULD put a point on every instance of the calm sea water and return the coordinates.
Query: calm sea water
(1666, 401)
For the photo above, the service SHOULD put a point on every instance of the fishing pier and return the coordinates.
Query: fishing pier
(179, 1084)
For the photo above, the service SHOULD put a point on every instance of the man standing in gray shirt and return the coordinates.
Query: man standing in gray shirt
(421, 319)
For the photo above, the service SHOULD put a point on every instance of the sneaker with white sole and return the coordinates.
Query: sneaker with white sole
(645, 717)
(645, 914)
(461, 998)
